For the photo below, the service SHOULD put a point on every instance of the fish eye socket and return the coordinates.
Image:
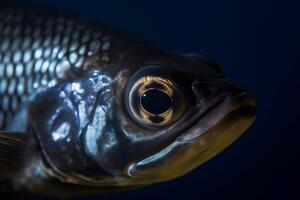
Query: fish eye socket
(155, 99)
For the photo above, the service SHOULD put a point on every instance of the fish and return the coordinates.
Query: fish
(86, 108)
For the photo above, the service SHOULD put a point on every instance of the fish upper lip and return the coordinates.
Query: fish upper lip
(228, 105)
(245, 98)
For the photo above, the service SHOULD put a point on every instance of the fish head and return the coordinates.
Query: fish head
(147, 117)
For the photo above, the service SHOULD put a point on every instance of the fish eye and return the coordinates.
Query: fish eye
(155, 98)
(152, 95)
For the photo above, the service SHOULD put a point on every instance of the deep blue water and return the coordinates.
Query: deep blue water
(257, 44)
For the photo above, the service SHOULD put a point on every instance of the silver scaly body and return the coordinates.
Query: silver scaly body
(35, 52)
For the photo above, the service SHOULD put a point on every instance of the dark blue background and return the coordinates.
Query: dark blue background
(257, 43)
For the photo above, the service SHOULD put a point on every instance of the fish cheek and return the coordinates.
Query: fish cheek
(104, 141)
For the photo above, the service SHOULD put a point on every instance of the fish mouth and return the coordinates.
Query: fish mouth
(211, 134)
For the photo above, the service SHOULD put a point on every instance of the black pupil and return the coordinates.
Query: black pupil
(156, 101)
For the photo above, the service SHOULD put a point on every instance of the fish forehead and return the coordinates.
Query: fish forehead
(37, 50)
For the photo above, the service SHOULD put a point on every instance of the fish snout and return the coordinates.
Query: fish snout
(206, 90)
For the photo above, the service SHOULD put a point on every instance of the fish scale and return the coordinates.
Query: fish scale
(36, 50)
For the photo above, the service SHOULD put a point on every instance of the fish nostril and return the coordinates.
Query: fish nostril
(205, 89)
(201, 91)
